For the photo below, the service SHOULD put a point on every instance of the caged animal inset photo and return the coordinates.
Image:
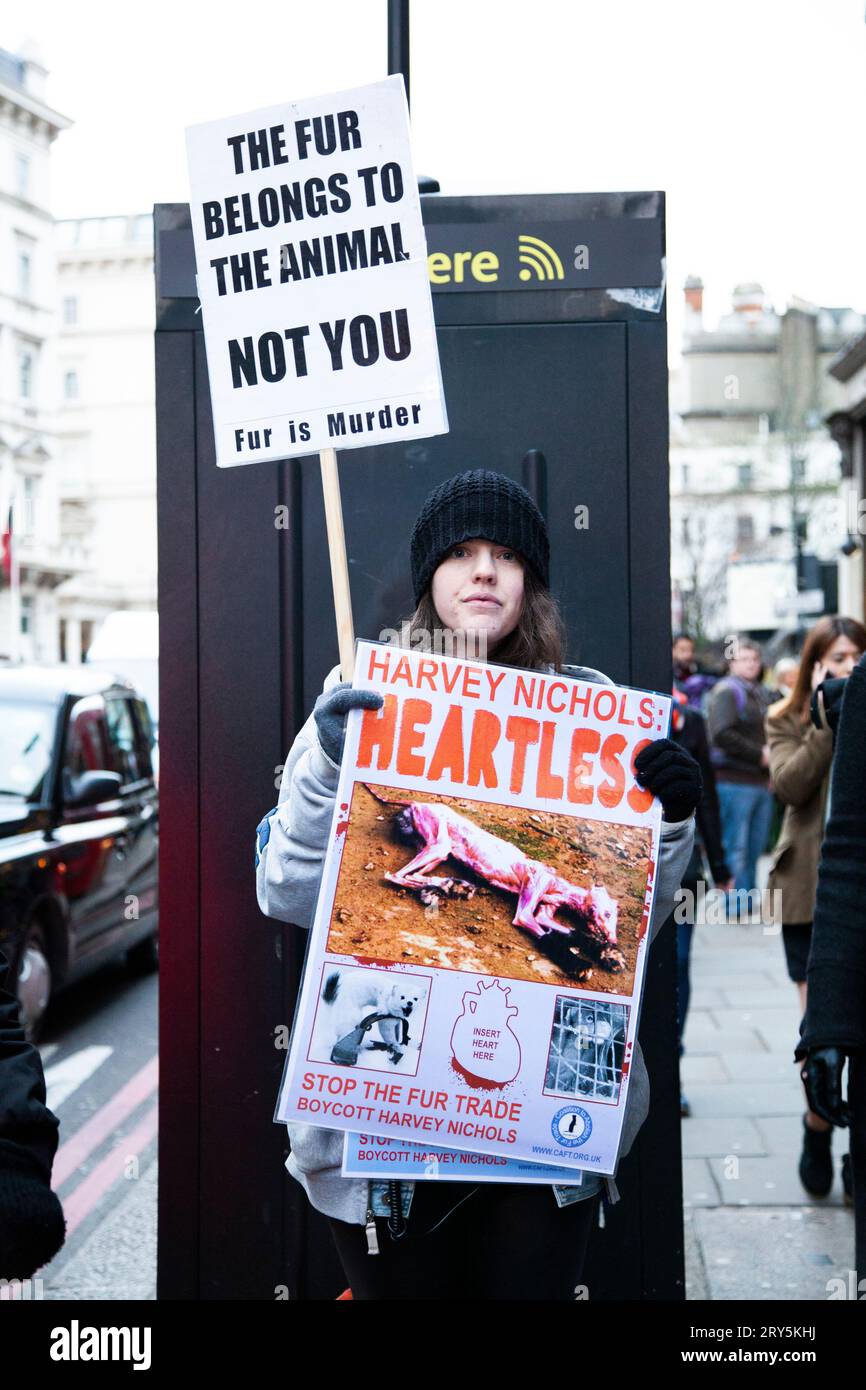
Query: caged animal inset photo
(372, 1019)
(587, 1047)
(491, 889)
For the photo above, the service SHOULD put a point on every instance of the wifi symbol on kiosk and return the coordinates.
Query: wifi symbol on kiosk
(538, 259)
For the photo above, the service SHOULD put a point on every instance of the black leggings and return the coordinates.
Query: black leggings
(857, 1147)
(505, 1241)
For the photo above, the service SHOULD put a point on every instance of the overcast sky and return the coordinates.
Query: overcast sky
(748, 113)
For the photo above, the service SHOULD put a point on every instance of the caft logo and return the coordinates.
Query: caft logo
(571, 1126)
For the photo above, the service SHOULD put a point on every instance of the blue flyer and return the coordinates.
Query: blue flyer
(374, 1156)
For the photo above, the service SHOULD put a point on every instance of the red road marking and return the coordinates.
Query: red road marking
(77, 1149)
(81, 1202)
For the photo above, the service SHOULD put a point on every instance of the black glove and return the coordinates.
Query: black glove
(721, 873)
(330, 712)
(32, 1224)
(829, 693)
(671, 774)
(822, 1076)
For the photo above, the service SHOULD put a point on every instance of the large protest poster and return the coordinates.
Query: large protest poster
(475, 968)
(312, 275)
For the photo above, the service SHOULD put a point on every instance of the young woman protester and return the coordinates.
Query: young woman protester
(800, 762)
(480, 555)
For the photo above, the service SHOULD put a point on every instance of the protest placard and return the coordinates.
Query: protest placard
(477, 955)
(312, 275)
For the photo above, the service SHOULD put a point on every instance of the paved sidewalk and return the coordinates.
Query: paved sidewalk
(751, 1229)
(118, 1260)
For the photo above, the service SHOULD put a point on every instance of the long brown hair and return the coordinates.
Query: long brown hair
(819, 640)
(537, 641)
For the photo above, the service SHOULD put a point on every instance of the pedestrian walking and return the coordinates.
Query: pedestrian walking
(784, 676)
(800, 759)
(480, 557)
(689, 679)
(833, 1030)
(736, 710)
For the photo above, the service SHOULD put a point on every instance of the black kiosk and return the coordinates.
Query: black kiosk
(550, 314)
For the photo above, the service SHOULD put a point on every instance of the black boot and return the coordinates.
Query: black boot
(816, 1161)
(847, 1181)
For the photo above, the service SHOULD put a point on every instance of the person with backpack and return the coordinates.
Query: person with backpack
(736, 710)
(480, 567)
(689, 679)
(800, 760)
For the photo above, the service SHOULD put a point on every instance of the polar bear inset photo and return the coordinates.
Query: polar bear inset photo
(373, 1019)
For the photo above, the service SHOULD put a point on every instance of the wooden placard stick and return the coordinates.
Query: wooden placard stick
(339, 564)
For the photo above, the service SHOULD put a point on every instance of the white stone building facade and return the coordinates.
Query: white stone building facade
(77, 426)
(29, 446)
(106, 419)
(750, 452)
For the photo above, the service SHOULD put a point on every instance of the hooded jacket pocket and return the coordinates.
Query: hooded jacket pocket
(637, 1102)
(315, 1149)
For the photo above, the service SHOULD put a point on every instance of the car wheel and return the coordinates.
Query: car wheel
(34, 980)
(144, 957)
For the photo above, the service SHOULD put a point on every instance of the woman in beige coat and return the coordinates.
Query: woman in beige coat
(800, 758)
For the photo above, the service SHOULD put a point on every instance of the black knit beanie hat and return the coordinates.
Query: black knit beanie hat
(484, 504)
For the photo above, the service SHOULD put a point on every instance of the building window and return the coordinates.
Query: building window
(25, 266)
(70, 385)
(142, 227)
(745, 529)
(67, 232)
(70, 310)
(745, 474)
(30, 490)
(26, 614)
(22, 175)
(685, 475)
(687, 532)
(104, 231)
(25, 375)
(798, 468)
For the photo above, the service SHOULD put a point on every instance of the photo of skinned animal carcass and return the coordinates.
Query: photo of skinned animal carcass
(587, 1046)
(497, 890)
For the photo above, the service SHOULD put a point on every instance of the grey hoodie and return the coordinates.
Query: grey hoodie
(288, 872)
